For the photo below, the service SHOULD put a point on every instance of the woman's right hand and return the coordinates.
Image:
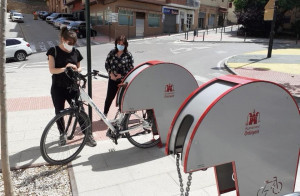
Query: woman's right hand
(115, 77)
(74, 67)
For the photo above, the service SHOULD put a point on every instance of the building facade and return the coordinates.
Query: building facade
(213, 13)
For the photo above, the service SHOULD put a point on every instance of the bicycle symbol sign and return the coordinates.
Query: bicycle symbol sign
(271, 187)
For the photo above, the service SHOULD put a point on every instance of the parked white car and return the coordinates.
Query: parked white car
(17, 48)
(17, 17)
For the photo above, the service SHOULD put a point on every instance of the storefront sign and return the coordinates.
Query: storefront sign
(170, 11)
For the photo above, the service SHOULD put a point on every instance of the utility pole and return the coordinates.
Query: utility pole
(88, 52)
(272, 33)
(8, 189)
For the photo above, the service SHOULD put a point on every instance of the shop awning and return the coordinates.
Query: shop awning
(223, 10)
(139, 10)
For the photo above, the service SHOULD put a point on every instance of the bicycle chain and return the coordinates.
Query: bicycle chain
(189, 182)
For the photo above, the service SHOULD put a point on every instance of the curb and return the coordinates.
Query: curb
(228, 68)
(232, 42)
(73, 183)
(297, 99)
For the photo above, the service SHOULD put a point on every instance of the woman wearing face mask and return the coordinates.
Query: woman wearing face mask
(59, 58)
(118, 63)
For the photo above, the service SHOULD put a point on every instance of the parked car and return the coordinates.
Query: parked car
(49, 19)
(59, 15)
(41, 13)
(80, 28)
(17, 17)
(65, 23)
(11, 13)
(17, 48)
(58, 22)
(45, 15)
(81, 32)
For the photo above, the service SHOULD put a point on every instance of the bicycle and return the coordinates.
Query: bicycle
(275, 186)
(65, 135)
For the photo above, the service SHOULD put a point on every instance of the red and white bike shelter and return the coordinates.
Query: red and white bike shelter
(159, 86)
(250, 123)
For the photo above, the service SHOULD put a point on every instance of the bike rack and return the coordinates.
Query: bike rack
(251, 126)
(159, 86)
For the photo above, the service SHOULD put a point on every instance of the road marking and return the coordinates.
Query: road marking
(201, 79)
(33, 48)
(50, 43)
(42, 46)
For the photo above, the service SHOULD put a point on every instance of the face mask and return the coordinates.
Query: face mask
(68, 47)
(120, 47)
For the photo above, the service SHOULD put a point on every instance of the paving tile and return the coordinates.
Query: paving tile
(109, 191)
(157, 185)
(87, 181)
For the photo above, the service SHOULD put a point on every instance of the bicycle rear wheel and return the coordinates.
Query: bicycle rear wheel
(64, 137)
(145, 136)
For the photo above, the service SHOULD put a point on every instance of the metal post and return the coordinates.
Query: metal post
(109, 31)
(297, 38)
(88, 52)
(216, 29)
(221, 36)
(203, 35)
(187, 37)
(231, 28)
(272, 31)
(128, 27)
(207, 30)
(245, 37)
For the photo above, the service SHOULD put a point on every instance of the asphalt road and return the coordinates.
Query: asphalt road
(203, 59)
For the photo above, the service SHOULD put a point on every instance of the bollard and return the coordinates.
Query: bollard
(216, 30)
(187, 35)
(231, 28)
(203, 35)
(297, 39)
(207, 30)
(245, 37)
(221, 36)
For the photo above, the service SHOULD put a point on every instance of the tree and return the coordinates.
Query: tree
(3, 120)
(250, 14)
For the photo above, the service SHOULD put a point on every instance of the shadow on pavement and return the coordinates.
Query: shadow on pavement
(121, 158)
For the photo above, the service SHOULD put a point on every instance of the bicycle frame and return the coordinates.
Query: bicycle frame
(86, 98)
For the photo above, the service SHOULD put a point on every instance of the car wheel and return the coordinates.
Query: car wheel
(20, 55)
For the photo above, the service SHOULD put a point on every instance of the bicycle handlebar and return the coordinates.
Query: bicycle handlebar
(77, 77)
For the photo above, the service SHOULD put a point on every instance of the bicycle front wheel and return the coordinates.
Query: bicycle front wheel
(144, 133)
(65, 136)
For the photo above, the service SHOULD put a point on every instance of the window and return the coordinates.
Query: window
(189, 20)
(125, 17)
(10, 42)
(93, 19)
(108, 16)
(100, 19)
(153, 20)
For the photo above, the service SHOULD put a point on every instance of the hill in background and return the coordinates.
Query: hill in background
(27, 6)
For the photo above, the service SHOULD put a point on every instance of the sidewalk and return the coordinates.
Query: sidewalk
(229, 36)
(122, 170)
(283, 67)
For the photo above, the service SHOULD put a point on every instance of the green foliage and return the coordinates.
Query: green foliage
(250, 14)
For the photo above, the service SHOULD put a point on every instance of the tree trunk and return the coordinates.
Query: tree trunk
(3, 120)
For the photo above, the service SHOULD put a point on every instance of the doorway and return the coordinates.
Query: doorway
(140, 24)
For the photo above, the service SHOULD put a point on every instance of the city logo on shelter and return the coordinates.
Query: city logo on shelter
(252, 124)
(169, 90)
